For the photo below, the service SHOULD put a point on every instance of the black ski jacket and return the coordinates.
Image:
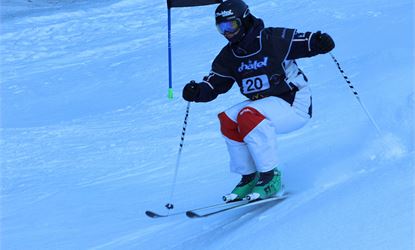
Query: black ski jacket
(300, 45)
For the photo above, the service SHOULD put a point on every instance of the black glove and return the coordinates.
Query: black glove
(191, 91)
(322, 43)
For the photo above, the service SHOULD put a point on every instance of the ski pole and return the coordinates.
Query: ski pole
(352, 88)
(169, 205)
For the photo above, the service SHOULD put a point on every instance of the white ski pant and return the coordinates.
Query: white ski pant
(250, 129)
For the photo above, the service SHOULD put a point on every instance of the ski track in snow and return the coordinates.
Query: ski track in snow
(89, 141)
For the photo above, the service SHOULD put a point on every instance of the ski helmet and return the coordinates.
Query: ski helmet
(231, 17)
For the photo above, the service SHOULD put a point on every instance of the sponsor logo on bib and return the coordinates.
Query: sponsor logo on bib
(253, 65)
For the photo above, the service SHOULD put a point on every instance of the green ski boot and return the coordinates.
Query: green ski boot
(243, 188)
(269, 184)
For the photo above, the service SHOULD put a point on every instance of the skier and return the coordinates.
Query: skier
(262, 62)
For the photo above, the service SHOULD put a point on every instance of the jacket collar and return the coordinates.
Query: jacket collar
(251, 42)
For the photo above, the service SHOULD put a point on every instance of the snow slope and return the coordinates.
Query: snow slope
(89, 140)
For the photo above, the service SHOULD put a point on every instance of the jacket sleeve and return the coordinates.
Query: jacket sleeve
(302, 46)
(213, 85)
(218, 81)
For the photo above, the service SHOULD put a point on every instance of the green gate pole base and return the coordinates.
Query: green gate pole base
(170, 94)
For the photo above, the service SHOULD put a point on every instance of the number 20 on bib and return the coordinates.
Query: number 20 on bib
(255, 84)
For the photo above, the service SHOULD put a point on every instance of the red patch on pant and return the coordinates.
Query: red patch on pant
(248, 119)
(229, 128)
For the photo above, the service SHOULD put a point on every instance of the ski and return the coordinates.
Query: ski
(222, 205)
(217, 208)
(242, 204)
(152, 214)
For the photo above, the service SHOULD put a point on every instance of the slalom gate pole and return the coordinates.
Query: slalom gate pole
(169, 205)
(170, 90)
(356, 95)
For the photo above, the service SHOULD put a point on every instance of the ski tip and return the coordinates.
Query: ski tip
(192, 214)
(152, 214)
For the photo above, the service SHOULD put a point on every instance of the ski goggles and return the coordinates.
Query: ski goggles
(230, 26)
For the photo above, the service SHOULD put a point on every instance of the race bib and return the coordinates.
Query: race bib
(255, 84)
